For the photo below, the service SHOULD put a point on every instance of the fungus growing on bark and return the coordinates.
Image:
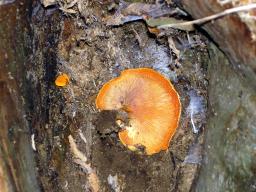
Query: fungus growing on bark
(152, 105)
(62, 80)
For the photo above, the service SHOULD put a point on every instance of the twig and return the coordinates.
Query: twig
(211, 17)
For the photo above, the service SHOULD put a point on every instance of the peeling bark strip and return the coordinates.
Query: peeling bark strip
(81, 160)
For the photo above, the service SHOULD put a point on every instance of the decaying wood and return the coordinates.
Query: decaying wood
(230, 33)
(17, 168)
(81, 160)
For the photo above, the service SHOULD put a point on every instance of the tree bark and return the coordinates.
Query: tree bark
(17, 166)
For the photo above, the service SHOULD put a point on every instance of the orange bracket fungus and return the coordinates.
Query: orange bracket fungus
(152, 104)
(62, 80)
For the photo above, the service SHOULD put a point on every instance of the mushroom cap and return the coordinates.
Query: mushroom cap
(62, 80)
(152, 104)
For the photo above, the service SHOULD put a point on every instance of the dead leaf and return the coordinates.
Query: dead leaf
(139, 11)
(164, 21)
(47, 3)
(154, 30)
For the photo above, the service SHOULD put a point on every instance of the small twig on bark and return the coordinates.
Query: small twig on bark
(211, 17)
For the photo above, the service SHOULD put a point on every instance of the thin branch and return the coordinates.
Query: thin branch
(211, 17)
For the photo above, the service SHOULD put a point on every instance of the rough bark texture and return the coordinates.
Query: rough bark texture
(17, 166)
(91, 54)
(230, 140)
(230, 33)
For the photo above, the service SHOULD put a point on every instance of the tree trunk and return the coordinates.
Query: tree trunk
(54, 139)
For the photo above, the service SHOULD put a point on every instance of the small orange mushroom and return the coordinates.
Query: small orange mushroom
(62, 80)
(152, 104)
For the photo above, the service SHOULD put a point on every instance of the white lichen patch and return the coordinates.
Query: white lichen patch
(194, 155)
(161, 60)
(113, 183)
(196, 110)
